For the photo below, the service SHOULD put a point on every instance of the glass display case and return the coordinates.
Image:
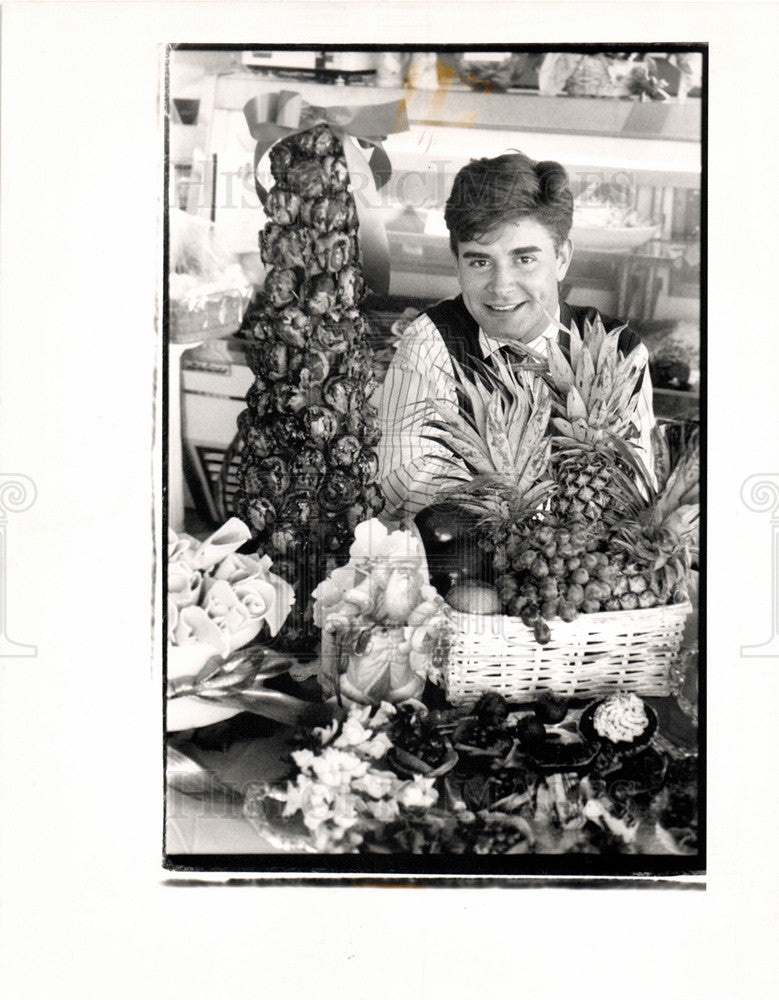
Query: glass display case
(635, 169)
(641, 158)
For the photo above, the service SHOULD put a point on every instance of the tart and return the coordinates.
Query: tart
(623, 721)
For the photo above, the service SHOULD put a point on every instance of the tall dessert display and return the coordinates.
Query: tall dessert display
(309, 466)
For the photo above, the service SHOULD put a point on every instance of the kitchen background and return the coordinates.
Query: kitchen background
(626, 125)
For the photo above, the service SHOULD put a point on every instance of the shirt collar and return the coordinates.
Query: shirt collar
(489, 345)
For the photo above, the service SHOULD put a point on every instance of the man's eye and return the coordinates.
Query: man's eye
(525, 261)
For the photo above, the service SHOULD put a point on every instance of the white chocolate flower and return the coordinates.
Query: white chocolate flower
(236, 593)
(418, 793)
(352, 734)
(377, 747)
(304, 760)
(193, 625)
(377, 784)
(338, 767)
(223, 542)
(185, 583)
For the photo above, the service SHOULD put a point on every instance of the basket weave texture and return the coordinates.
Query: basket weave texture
(595, 654)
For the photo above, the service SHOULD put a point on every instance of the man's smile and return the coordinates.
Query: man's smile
(510, 307)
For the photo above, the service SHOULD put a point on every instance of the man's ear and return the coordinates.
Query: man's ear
(564, 255)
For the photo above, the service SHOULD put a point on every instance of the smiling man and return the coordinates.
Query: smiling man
(509, 279)
(509, 221)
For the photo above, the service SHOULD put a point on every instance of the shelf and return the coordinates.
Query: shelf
(653, 143)
(580, 115)
(526, 112)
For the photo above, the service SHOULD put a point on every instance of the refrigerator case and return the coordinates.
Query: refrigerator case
(425, 160)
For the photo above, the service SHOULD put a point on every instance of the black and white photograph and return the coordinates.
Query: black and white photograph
(435, 357)
(389, 499)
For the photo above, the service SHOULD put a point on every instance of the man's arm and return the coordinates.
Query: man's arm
(419, 373)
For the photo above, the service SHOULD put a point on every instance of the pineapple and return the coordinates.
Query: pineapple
(500, 449)
(594, 408)
(498, 446)
(660, 535)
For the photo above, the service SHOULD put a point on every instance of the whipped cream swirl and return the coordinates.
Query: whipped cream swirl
(621, 718)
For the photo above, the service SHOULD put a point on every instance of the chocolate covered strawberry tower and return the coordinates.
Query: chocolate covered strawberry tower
(309, 466)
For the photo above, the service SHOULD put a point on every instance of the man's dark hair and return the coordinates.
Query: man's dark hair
(489, 192)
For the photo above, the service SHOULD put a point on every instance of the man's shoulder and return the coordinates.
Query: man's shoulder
(419, 344)
(419, 329)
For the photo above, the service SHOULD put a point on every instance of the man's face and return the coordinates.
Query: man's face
(507, 276)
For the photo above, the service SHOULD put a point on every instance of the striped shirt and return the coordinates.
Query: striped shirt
(412, 469)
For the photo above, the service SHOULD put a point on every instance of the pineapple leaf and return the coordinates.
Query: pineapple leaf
(576, 408)
(601, 394)
(476, 393)
(516, 422)
(594, 332)
(608, 354)
(576, 346)
(631, 366)
(537, 426)
(505, 449)
(422, 408)
(560, 326)
(661, 453)
(564, 427)
(682, 524)
(536, 467)
(560, 370)
(498, 444)
(457, 468)
(682, 484)
(585, 373)
(461, 443)
(621, 406)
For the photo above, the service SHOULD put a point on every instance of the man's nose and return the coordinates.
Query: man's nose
(501, 280)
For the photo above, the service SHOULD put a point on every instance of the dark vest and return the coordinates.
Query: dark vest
(460, 331)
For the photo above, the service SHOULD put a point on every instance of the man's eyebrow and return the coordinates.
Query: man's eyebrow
(467, 254)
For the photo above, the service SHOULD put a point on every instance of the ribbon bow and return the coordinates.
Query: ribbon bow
(275, 116)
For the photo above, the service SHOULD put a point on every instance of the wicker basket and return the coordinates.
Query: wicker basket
(593, 655)
(219, 314)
